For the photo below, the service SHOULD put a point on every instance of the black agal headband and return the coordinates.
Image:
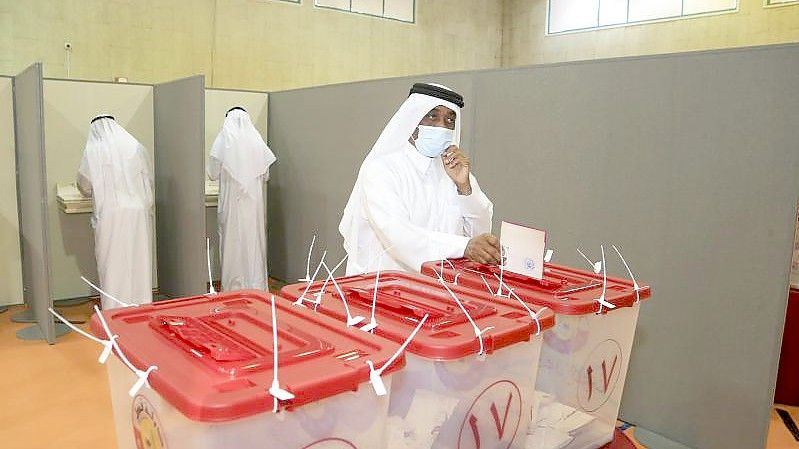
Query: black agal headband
(101, 116)
(437, 92)
(233, 109)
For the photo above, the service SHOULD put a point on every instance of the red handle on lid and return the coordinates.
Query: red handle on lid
(191, 333)
(401, 307)
(221, 348)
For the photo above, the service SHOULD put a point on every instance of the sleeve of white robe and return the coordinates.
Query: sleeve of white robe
(84, 178)
(477, 209)
(410, 245)
(214, 166)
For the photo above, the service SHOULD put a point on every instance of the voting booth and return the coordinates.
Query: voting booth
(188, 117)
(69, 107)
(215, 363)
(10, 263)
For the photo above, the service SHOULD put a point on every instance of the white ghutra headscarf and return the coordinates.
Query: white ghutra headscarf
(240, 150)
(117, 166)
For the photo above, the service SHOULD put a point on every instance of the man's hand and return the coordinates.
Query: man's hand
(483, 249)
(456, 164)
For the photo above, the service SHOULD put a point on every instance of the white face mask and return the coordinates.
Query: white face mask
(433, 140)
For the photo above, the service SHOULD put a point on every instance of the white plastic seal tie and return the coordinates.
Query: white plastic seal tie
(490, 291)
(122, 303)
(211, 290)
(351, 320)
(596, 266)
(548, 255)
(307, 277)
(502, 256)
(502, 283)
(630, 272)
(141, 375)
(330, 276)
(299, 300)
(601, 299)
(441, 274)
(278, 393)
(533, 315)
(477, 331)
(372, 324)
(374, 374)
(108, 345)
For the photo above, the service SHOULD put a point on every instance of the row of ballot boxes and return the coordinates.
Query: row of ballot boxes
(461, 356)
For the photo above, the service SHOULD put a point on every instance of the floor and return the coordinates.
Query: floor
(57, 396)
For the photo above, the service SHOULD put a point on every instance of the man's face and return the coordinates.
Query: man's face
(440, 116)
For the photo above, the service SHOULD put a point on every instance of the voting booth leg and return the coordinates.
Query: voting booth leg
(71, 302)
(26, 316)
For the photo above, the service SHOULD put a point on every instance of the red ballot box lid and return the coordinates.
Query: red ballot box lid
(403, 299)
(565, 290)
(214, 353)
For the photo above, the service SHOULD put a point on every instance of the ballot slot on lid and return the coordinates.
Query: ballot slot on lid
(219, 341)
(401, 302)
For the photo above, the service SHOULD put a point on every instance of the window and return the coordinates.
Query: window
(402, 10)
(780, 2)
(579, 15)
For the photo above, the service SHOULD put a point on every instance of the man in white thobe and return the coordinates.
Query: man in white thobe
(240, 159)
(415, 199)
(115, 171)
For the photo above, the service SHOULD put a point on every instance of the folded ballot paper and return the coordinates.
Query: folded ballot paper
(523, 249)
(555, 425)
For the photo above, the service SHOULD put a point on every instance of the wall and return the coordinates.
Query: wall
(10, 263)
(217, 102)
(69, 106)
(525, 42)
(676, 176)
(261, 45)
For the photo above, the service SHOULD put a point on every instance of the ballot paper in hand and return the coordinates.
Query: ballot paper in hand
(523, 249)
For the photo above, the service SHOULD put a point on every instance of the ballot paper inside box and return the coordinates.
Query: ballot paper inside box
(211, 388)
(448, 395)
(585, 356)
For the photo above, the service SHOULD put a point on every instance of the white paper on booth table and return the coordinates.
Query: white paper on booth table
(524, 249)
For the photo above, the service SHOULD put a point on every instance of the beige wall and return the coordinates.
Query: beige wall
(525, 42)
(69, 106)
(252, 44)
(10, 265)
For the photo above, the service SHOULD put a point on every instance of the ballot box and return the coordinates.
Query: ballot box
(214, 358)
(457, 390)
(584, 358)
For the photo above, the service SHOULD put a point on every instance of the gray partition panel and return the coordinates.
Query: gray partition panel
(320, 136)
(689, 162)
(180, 186)
(32, 196)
